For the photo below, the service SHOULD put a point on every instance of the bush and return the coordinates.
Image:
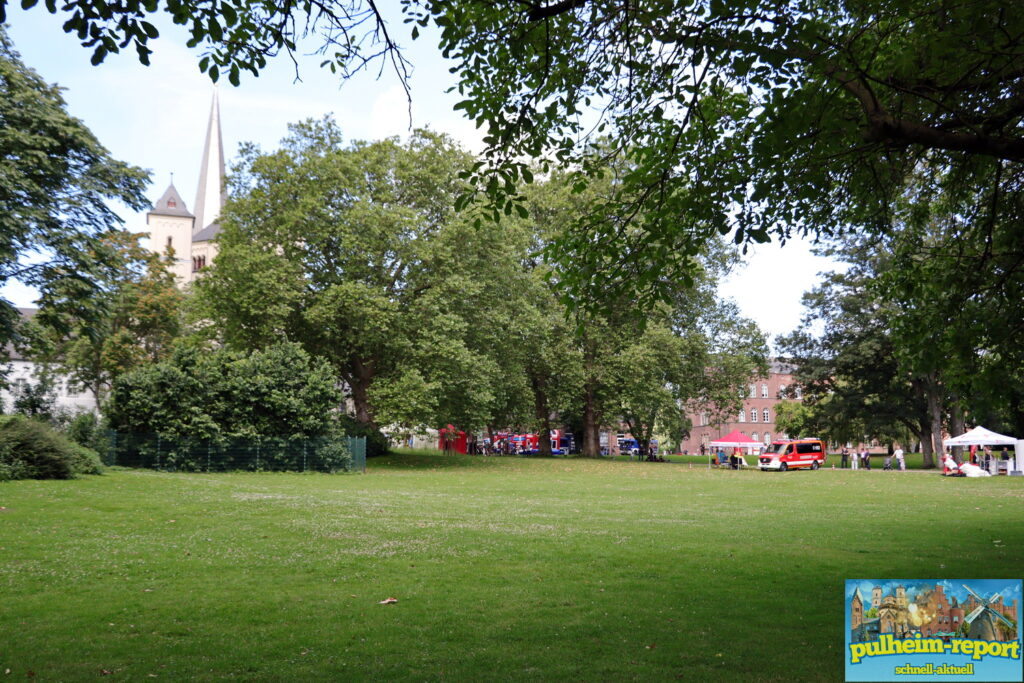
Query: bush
(84, 460)
(84, 429)
(376, 442)
(33, 450)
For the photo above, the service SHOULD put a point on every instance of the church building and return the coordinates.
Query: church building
(174, 229)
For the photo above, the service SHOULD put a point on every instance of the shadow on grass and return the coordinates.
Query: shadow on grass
(431, 460)
(407, 458)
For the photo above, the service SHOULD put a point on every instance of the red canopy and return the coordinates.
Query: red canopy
(736, 440)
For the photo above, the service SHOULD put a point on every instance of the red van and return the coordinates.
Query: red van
(794, 454)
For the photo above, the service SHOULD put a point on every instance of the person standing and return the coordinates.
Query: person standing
(854, 460)
(900, 464)
(867, 459)
(845, 453)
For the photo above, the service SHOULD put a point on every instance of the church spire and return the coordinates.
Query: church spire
(211, 193)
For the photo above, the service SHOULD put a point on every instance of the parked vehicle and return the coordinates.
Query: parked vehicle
(806, 453)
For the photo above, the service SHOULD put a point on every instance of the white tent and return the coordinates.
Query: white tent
(979, 436)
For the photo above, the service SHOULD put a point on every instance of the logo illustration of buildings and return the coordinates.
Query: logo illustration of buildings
(931, 613)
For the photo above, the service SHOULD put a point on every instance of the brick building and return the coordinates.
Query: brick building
(757, 417)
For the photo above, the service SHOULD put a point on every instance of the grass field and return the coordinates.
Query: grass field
(504, 569)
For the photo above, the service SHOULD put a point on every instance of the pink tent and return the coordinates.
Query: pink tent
(739, 441)
(735, 439)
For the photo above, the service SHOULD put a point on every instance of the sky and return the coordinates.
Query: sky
(155, 117)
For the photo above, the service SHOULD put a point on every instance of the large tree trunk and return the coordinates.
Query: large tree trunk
(925, 436)
(591, 429)
(935, 418)
(957, 427)
(542, 412)
(362, 377)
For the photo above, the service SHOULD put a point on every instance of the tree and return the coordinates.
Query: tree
(57, 181)
(356, 252)
(36, 399)
(644, 365)
(854, 386)
(753, 119)
(132, 317)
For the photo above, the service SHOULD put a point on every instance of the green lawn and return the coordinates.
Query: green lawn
(504, 569)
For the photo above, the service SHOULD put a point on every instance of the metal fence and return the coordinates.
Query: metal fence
(268, 454)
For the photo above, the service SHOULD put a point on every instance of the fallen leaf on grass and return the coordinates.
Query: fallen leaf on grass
(105, 672)
(388, 601)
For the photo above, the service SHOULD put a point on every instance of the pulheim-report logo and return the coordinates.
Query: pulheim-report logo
(933, 630)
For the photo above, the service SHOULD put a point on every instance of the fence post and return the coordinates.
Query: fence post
(208, 447)
(158, 451)
(257, 454)
(303, 455)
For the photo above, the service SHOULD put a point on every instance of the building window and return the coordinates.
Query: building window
(765, 414)
(753, 435)
(782, 391)
(171, 203)
(753, 414)
(753, 391)
(703, 419)
(799, 392)
(742, 417)
(767, 438)
(764, 391)
(169, 245)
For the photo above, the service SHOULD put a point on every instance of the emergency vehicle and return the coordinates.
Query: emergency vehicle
(794, 454)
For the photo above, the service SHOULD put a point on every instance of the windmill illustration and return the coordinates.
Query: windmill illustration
(984, 618)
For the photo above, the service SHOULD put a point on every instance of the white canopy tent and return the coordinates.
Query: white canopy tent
(979, 436)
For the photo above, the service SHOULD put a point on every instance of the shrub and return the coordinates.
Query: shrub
(33, 450)
(84, 429)
(84, 460)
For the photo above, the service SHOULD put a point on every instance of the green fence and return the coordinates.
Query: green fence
(270, 454)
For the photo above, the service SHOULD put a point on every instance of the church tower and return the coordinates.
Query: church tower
(901, 597)
(170, 230)
(210, 195)
(876, 597)
(172, 226)
(856, 609)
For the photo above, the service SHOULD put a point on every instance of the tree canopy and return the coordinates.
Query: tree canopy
(749, 118)
(56, 181)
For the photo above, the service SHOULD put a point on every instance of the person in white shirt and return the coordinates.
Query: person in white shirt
(899, 459)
